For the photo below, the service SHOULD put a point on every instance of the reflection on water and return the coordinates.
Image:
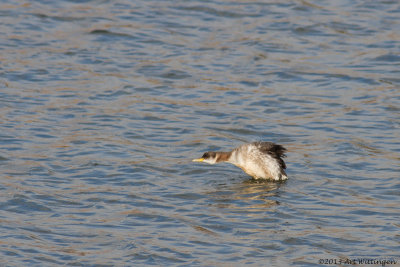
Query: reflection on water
(103, 105)
(247, 196)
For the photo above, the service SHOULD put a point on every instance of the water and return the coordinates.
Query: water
(103, 104)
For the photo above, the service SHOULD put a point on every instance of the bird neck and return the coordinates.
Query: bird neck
(223, 156)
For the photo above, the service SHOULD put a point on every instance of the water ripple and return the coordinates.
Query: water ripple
(102, 108)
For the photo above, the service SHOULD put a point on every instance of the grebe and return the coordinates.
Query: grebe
(261, 160)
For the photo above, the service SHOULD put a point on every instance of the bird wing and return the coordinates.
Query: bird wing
(274, 150)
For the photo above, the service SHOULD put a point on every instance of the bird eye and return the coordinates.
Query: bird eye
(206, 155)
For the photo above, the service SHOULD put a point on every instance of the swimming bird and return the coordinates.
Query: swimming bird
(261, 160)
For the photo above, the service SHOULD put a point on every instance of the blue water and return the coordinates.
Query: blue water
(103, 105)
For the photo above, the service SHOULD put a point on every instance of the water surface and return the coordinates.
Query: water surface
(103, 104)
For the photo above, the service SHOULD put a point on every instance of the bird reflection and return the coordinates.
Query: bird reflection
(250, 195)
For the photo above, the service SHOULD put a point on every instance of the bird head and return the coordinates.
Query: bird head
(208, 157)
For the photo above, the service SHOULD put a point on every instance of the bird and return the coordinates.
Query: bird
(260, 160)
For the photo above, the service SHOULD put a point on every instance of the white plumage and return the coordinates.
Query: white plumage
(261, 160)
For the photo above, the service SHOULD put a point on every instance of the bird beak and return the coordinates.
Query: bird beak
(198, 160)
